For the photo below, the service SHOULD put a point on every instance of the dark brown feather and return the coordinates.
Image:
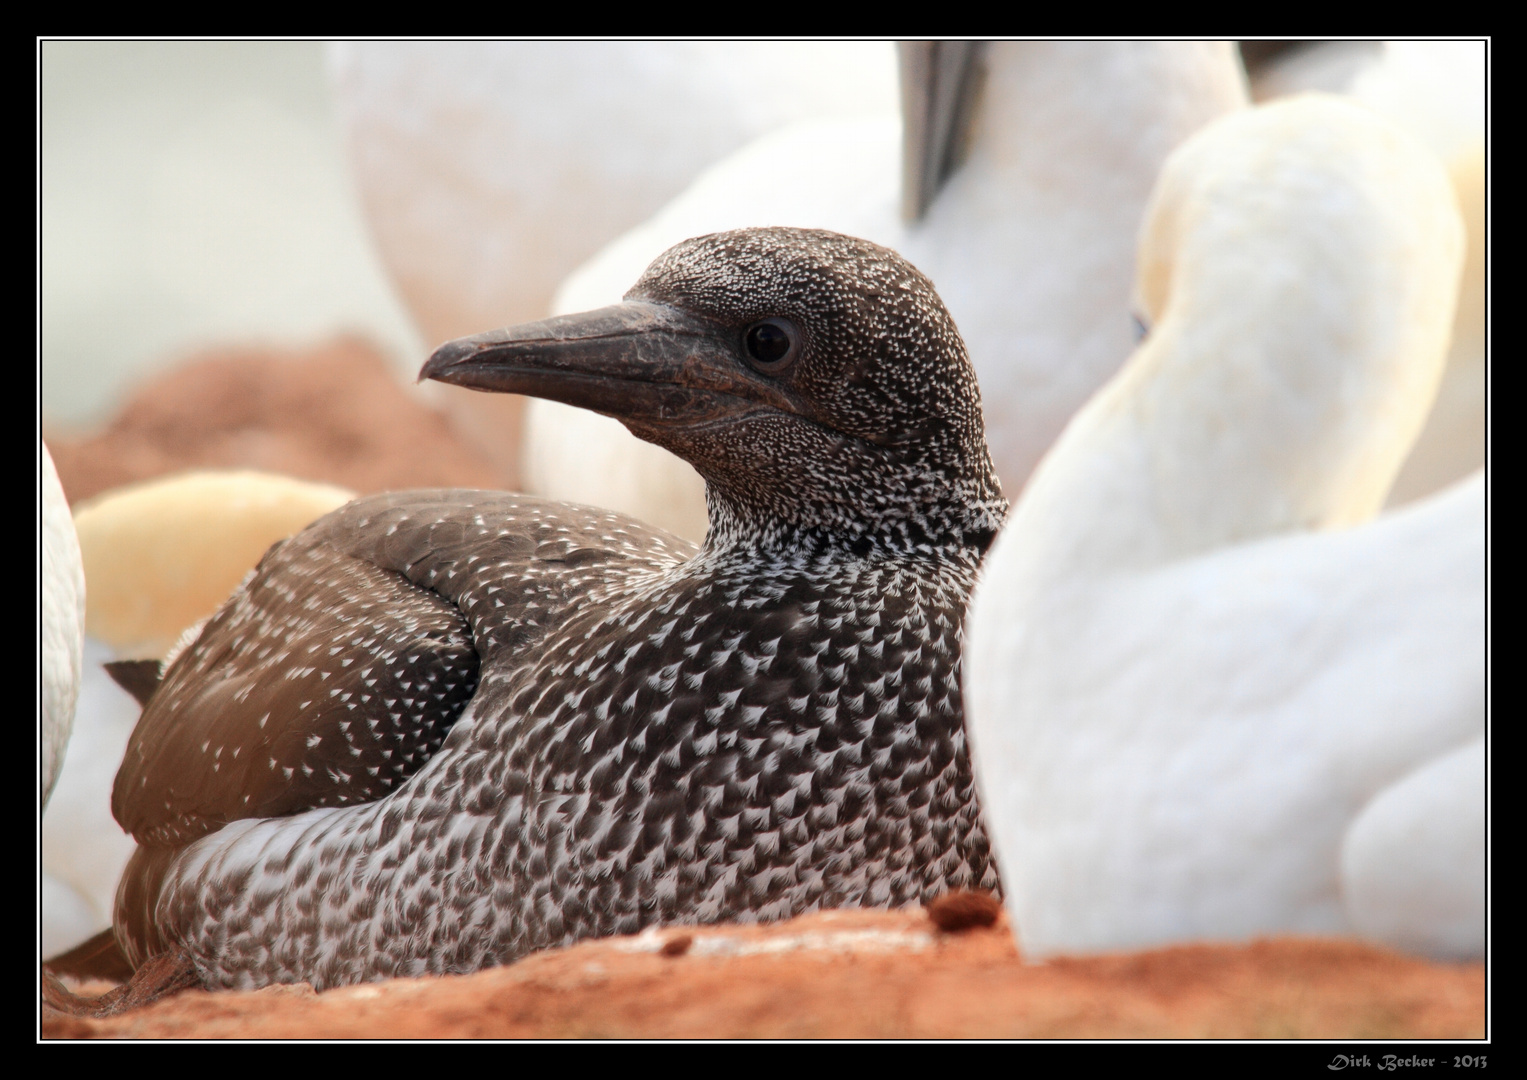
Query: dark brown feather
(337, 669)
(346, 692)
(140, 678)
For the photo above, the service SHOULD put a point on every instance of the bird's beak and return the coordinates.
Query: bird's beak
(641, 362)
(937, 104)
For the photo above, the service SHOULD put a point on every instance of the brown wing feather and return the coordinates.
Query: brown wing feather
(324, 681)
(337, 669)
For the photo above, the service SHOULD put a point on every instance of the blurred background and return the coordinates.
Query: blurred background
(198, 221)
(194, 193)
(238, 214)
(212, 293)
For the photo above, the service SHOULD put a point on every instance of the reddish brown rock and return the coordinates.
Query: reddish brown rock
(857, 974)
(335, 414)
(964, 909)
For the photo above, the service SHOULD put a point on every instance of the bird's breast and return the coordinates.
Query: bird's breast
(747, 717)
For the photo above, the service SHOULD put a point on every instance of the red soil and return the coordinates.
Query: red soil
(335, 414)
(856, 974)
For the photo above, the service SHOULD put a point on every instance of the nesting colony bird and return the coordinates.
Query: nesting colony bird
(1436, 90)
(1015, 182)
(63, 623)
(438, 730)
(1211, 695)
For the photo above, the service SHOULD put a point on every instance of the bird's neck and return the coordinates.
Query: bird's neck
(960, 526)
(1200, 443)
(1300, 313)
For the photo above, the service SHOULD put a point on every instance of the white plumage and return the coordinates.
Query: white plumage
(1030, 242)
(63, 623)
(66, 917)
(1195, 657)
(1405, 877)
(83, 848)
(1436, 91)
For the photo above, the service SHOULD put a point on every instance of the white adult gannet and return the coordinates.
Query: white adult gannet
(63, 623)
(1196, 661)
(1437, 91)
(1030, 240)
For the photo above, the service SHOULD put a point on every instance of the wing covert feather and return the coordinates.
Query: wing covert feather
(337, 669)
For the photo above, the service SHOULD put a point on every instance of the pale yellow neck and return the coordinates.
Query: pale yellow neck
(1299, 266)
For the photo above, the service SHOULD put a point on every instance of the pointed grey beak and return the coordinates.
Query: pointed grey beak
(640, 362)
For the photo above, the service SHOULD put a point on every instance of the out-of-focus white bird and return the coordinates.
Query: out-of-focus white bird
(1208, 692)
(1435, 90)
(83, 848)
(1046, 152)
(63, 623)
(159, 557)
(1452, 444)
(490, 170)
(1413, 867)
(164, 554)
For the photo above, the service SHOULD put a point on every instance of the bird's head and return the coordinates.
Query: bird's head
(814, 380)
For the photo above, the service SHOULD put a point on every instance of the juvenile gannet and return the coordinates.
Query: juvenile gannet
(440, 729)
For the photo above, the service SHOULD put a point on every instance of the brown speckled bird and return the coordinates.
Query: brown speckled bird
(440, 729)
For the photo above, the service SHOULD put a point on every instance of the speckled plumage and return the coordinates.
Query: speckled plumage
(638, 732)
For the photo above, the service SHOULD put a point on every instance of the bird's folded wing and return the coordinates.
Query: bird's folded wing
(336, 670)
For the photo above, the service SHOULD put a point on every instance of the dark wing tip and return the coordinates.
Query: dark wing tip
(140, 678)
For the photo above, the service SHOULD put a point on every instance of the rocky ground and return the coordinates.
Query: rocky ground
(855, 974)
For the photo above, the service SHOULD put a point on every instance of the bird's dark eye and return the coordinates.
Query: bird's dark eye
(1142, 327)
(772, 345)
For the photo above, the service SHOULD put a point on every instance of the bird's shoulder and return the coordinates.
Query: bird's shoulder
(337, 668)
(510, 563)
